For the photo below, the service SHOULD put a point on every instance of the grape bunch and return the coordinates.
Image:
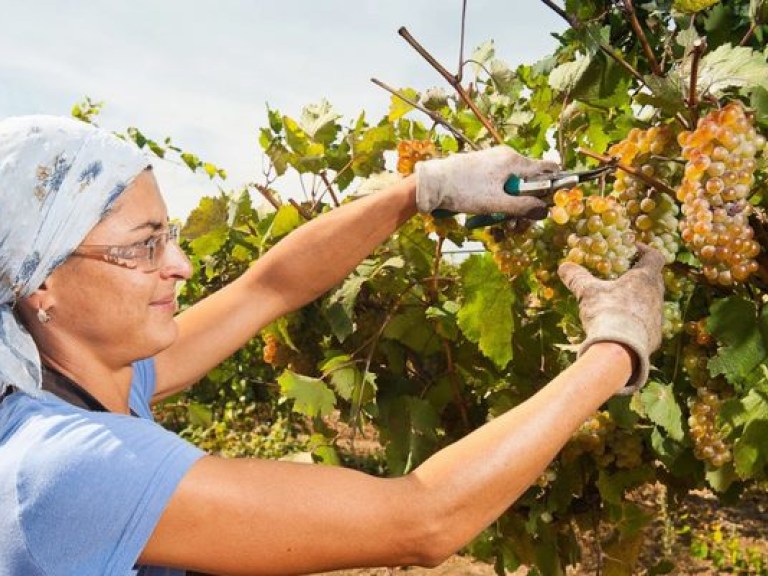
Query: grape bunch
(409, 152)
(654, 214)
(709, 444)
(673, 320)
(605, 443)
(275, 353)
(600, 237)
(719, 174)
(512, 250)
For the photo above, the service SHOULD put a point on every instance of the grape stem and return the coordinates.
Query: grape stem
(650, 180)
(748, 35)
(454, 81)
(434, 115)
(630, 8)
(693, 93)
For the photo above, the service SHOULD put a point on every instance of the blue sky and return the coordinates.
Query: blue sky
(203, 71)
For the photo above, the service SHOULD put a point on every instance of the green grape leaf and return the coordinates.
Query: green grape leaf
(200, 414)
(666, 93)
(409, 432)
(411, 328)
(750, 451)
(482, 55)
(275, 120)
(728, 66)
(659, 405)
(349, 382)
(287, 219)
(485, 316)
(613, 485)
(310, 396)
(759, 103)
(720, 479)
(209, 215)
(566, 76)
(318, 121)
(733, 322)
(323, 451)
(399, 107)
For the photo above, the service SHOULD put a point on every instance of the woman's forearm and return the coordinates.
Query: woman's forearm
(323, 252)
(473, 481)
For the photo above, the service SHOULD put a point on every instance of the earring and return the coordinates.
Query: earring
(42, 316)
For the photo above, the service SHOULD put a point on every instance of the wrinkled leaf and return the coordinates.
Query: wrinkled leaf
(310, 396)
(485, 316)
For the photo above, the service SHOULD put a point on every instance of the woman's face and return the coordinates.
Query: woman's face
(121, 313)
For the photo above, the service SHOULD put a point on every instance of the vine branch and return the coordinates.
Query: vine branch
(453, 81)
(693, 94)
(461, 41)
(433, 115)
(630, 8)
(268, 195)
(650, 180)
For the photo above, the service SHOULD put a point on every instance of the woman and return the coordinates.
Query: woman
(88, 273)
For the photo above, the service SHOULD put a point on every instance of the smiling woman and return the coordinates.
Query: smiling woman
(89, 485)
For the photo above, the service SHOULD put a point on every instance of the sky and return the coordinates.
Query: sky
(203, 71)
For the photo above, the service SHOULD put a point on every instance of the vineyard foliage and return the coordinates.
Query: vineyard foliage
(426, 345)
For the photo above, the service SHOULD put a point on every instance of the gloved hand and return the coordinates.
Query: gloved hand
(473, 183)
(628, 310)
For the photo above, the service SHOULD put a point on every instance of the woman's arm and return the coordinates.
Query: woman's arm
(301, 267)
(274, 518)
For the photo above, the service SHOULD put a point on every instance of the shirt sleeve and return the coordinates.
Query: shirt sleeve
(92, 491)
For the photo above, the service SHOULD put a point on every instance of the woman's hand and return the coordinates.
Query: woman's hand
(473, 183)
(628, 310)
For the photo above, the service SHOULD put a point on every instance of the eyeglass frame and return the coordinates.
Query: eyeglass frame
(126, 256)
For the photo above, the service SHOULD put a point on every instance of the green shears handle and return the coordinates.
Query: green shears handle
(512, 187)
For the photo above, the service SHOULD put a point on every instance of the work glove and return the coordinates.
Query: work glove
(473, 183)
(628, 310)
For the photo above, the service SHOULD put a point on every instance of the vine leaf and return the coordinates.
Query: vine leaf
(728, 66)
(485, 316)
(399, 107)
(750, 453)
(410, 432)
(734, 323)
(348, 381)
(319, 122)
(310, 396)
(565, 77)
(659, 404)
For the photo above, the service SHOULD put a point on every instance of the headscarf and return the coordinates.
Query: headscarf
(58, 178)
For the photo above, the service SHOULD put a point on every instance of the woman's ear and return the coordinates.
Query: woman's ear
(37, 305)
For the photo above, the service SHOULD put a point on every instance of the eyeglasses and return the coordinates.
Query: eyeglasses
(144, 256)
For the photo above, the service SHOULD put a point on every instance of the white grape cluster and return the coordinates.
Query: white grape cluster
(719, 174)
(654, 214)
(600, 237)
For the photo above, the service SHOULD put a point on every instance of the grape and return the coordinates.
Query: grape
(719, 174)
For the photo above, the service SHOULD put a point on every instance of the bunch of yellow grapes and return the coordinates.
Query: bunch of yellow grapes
(600, 237)
(719, 174)
(409, 152)
(653, 213)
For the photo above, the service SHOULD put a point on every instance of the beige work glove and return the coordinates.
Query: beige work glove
(473, 183)
(628, 310)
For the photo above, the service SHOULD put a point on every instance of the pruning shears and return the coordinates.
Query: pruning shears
(541, 186)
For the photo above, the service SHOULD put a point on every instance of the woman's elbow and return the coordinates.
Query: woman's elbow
(433, 534)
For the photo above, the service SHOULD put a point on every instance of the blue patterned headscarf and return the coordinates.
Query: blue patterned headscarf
(58, 178)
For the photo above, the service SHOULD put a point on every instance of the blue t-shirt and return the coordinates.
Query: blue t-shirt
(81, 492)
